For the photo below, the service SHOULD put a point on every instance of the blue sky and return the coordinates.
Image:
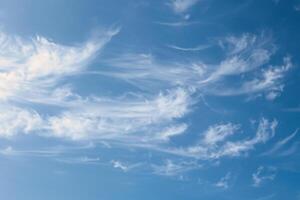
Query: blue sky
(137, 99)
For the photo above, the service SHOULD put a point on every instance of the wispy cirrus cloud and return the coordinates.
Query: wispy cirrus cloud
(181, 6)
(221, 148)
(219, 133)
(51, 151)
(224, 181)
(15, 120)
(177, 24)
(121, 119)
(124, 166)
(281, 144)
(84, 160)
(197, 48)
(267, 197)
(269, 83)
(104, 119)
(34, 67)
(263, 174)
(243, 54)
(145, 71)
(295, 109)
(245, 60)
(10, 151)
(175, 168)
(35, 73)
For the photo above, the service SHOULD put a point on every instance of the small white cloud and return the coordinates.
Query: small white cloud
(224, 181)
(178, 24)
(244, 54)
(263, 174)
(268, 82)
(172, 168)
(244, 58)
(181, 6)
(172, 131)
(290, 150)
(80, 160)
(147, 72)
(281, 143)
(237, 45)
(267, 197)
(197, 48)
(15, 120)
(124, 167)
(218, 133)
(8, 151)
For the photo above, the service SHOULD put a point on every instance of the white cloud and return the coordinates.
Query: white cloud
(267, 197)
(15, 121)
(10, 151)
(290, 150)
(181, 6)
(245, 42)
(80, 160)
(263, 174)
(218, 133)
(245, 56)
(224, 181)
(58, 151)
(268, 82)
(121, 119)
(228, 148)
(124, 167)
(281, 143)
(172, 131)
(197, 48)
(178, 24)
(145, 71)
(31, 72)
(171, 168)
(33, 67)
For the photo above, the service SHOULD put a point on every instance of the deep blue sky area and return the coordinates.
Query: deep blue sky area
(149, 99)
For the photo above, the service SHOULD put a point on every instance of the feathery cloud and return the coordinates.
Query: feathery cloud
(32, 72)
(181, 6)
(263, 174)
(218, 133)
(281, 143)
(224, 181)
(124, 167)
(34, 67)
(172, 168)
(244, 57)
(229, 148)
(270, 82)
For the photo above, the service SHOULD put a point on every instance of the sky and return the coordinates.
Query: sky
(140, 99)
